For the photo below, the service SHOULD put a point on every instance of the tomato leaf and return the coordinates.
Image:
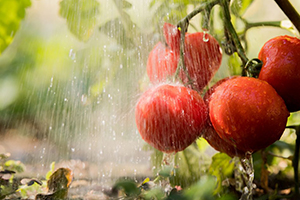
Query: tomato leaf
(203, 189)
(156, 193)
(80, 16)
(12, 13)
(128, 186)
(126, 4)
(221, 167)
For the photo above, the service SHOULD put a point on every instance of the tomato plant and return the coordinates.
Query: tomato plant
(202, 58)
(246, 114)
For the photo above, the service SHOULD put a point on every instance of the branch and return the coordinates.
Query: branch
(290, 12)
(183, 26)
(231, 30)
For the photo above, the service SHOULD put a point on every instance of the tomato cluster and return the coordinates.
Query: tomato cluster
(238, 115)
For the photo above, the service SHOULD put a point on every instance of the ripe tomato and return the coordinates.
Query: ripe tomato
(210, 134)
(172, 36)
(202, 57)
(162, 63)
(170, 117)
(215, 141)
(248, 113)
(281, 58)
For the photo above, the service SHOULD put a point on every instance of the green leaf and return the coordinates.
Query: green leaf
(234, 63)
(128, 186)
(239, 7)
(189, 168)
(166, 171)
(11, 12)
(155, 193)
(50, 172)
(203, 189)
(80, 16)
(126, 4)
(13, 165)
(221, 167)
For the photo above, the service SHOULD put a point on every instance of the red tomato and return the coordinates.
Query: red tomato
(162, 63)
(248, 113)
(215, 141)
(202, 56)
(281, 68)
(210, 134)
(172, 36)
(170, 117)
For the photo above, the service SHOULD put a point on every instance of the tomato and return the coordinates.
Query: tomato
(215, 141)
(210, 134)
(212, 89)
(162, 63)
(172, 36)
(247, 113)
(281, 62)
(170, 117)
(202, 57)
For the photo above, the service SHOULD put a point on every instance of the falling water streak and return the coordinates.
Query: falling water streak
(244, 175)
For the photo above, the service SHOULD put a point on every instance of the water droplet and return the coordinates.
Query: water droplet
(83, 99)
(72, 55)
(205, 36)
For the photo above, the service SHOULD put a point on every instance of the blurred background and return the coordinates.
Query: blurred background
(71, 72)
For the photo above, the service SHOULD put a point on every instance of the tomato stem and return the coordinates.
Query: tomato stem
(290, 12)
(269, 23)
(296, 162)
(232, 32)
(183, 25)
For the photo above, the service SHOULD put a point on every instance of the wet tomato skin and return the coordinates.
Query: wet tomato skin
(202, 57)
(281, 68)
(162, 63)
(170, 117)
(210, 134)
(215, 141)
(172, 36)
(248, 113)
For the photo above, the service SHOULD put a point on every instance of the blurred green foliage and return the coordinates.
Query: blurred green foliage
(12, 13)
(81, 16)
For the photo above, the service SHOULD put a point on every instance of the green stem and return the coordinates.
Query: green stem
(296, 162)
(183, 25)
(188, 163)
(256, 24)
(202, 7)
(234, 36)
(290, 12)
